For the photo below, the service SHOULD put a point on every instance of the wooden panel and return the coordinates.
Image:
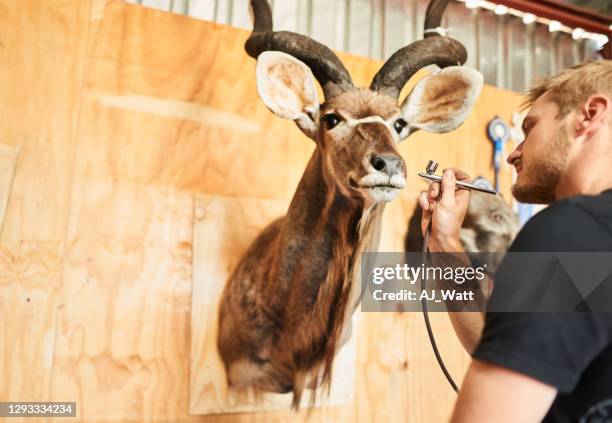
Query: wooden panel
(39, 109)
(123, 326)
(183, 104)
(217, 248)
(29, 281)
(42, 45)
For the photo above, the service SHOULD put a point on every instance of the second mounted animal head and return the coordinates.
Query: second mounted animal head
(357, 129)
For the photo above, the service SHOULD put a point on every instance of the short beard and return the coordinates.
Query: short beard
(546, 172)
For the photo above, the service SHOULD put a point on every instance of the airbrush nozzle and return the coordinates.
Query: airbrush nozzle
(432, 166)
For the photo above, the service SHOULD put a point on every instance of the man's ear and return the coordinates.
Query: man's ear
(440, 102)
(286, 85)
(593, 114)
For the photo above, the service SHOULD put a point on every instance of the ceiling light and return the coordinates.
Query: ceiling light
(472, 4)
(554, 26)
(529, 18)
(577, 33)
(500, 9)
(601, 40)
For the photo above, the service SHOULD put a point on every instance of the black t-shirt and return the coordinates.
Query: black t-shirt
(571, 351)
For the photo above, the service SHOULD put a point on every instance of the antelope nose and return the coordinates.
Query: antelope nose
(388, 164)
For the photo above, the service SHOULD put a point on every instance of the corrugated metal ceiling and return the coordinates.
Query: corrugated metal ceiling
(507, 52)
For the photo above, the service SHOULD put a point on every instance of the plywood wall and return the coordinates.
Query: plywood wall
(123, 116)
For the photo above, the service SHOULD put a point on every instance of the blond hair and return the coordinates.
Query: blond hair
(573, 86)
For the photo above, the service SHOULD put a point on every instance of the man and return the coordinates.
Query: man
(552, 366)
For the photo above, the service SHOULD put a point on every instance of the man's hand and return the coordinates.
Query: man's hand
(447, 213)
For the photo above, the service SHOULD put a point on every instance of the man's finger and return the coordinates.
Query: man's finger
(448, 188)
(434, 191)
(426, 202)
(423, 200)
(460, 175)
(427, 207)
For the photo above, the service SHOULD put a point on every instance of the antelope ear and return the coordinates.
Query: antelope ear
(287, 87)
(440, 102)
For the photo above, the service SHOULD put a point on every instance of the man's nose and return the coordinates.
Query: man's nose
(515, 154)
(388, 164)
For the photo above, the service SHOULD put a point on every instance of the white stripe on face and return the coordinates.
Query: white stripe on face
(353, 123)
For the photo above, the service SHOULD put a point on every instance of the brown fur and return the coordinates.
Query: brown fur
(362, 102)
(441, 99)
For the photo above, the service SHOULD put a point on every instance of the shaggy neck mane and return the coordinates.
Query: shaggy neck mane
(317, 272)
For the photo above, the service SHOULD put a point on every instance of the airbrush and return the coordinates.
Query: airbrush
(430, 174)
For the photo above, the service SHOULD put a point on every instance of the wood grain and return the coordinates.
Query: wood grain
(123, 327)
(8, 161)
(41, 70)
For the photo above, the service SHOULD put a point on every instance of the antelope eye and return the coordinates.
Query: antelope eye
(399, 125)
(331, 121)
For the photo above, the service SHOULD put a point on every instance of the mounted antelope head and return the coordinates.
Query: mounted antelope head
(287, 306)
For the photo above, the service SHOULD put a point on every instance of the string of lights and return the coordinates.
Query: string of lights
(528, 18)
